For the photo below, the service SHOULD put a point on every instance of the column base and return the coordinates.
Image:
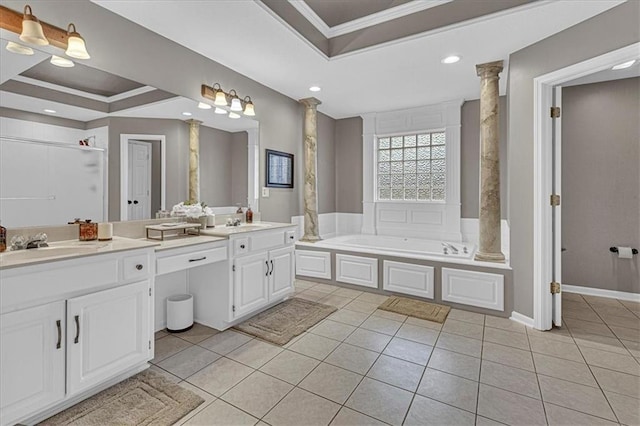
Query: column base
(489, 257)
(310, 238)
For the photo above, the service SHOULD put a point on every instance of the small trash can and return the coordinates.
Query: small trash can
(179, 313)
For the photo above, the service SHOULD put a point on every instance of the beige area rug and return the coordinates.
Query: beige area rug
(144, 399)
(416, 308)
(286, 320)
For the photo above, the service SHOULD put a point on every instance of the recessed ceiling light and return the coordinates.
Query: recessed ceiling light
(186, 114)
(450, 59)
(624, 65)
(50, 111)
(220, 111)
(59, 61)
(315, 88)
(202, 105)
(234, 115)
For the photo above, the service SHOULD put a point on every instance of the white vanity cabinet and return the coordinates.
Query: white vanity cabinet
(70, 326)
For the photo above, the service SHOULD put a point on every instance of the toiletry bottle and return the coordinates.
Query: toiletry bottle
(249, 218)
(239, 211)
(3, 238)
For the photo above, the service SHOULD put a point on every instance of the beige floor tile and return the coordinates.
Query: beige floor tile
(426, 411)
(571, 296)
(507, 338)
(508, 356)
(618, 321)
(625, 407)
(403, 374)
(315, 346)
(225, 342)
(609, 344)
(460, 344)
(368, 339)
(168, 346)
(337, 301)
(187, 362)
(632, 347)
(347, 292)
(346, 316)
(166, 374)
(303, 284)
(579, 326)
(333, 330)
(219, 413)
(582, 314)
(312, 295)
(632, 306)
(325, 288)
(626, 384)
(585, 399)
(219, 377)
(554, 348)
(424, 323)
(510, 408)
(458, 364)
(331, 382)
(572, 371)
(423, 335)
(560, 416)
(197, 333)
(408, 351)
(462, 328)
(348, 417)
(160, 334)
(381, 401)
(559, 334)
(207, 397)
(612, 361)
(363, 307)
(601, 301)
(504, 324)
(509, 378)
(257, 394)
(255, 353)
(352, 358)
(467, 316)
(449, 389)
(378, 299)
(483, 421)
(618, 311)
(381, 325)
(390, 315)
(624, 333)
(300, 407)
(290, 366)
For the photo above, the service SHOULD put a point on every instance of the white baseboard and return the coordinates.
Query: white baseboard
(522, 319)
(613, 294)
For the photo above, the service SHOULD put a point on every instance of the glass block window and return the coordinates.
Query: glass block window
(412, 167)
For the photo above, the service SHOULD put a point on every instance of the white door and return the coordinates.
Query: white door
(107, 333)
(251, 289)
(556, 210)
(139, 197)
(281, 272)
(32, 355)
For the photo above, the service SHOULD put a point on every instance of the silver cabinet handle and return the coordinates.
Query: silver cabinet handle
(77, 319)
(198, 259)
(59, 344)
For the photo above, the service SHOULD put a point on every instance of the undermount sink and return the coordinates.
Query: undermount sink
(45, 252)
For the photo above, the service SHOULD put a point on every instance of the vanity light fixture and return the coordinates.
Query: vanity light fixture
(220, 111)
(229, 99)
(31, 29)
(624, 65)
(234, 115)
(19, 49)
(76, 47)
(59, 61)
(202, 105)
(451, 59)
(315, 88)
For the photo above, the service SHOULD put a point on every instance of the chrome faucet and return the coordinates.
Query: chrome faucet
(233, 222)
(20, 242)
(451, 247)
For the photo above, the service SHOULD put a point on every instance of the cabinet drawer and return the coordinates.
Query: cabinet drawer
(135, 267)
(179, 262)
(240, 246)
(266, 240)
(290, 237)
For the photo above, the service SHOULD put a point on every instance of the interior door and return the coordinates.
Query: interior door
(139, 198)
(250, 279)
(557, 208)
(281, 272)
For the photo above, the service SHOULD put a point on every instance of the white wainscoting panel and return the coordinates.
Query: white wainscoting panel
(473, 288)
(357, 270)
(332, 224)
(407, 278)
(420, 220)
(316, 264)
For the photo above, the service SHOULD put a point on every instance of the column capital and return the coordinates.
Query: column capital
(310, 102)
(489, 69)
(192, 122)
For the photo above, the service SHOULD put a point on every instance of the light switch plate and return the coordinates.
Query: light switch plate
(265, 192)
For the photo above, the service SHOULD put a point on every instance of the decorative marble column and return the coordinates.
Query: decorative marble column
(489, 249)
(194, 160)
(311, 233)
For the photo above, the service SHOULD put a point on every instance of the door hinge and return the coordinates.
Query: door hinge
(555, 112)
(233, 268)
(554, 200)
(149, 344)
(233, 308)
(149, 291)
(555, 287)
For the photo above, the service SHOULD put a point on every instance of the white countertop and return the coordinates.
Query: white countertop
(183, 241)
(226, 231)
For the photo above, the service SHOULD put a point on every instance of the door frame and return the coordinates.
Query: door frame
(124, 169)
(543, 241)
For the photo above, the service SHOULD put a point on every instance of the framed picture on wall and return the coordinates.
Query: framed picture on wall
(279, 169)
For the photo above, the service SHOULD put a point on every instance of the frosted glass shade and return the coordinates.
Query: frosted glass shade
(76, 47)
(249, 110)
(220, 99)
(32, 31)
(236, 105)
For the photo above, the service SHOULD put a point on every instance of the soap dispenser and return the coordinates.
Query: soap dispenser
(249, 217)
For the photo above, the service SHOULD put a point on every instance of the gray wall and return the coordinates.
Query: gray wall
(326, 164)
(239, 166)
(348, 163)
(608, 31)
(470, 158)
(601, 183)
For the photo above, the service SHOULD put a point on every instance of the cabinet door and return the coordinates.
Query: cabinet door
(32, 358)
(282, 272)
(107, 333)
(250, 290)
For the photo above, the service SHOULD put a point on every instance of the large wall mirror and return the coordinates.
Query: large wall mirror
(78, 142)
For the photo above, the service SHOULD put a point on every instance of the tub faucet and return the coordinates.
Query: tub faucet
(451, 247)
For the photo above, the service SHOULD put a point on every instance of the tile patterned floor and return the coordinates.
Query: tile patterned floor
(363, 366)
